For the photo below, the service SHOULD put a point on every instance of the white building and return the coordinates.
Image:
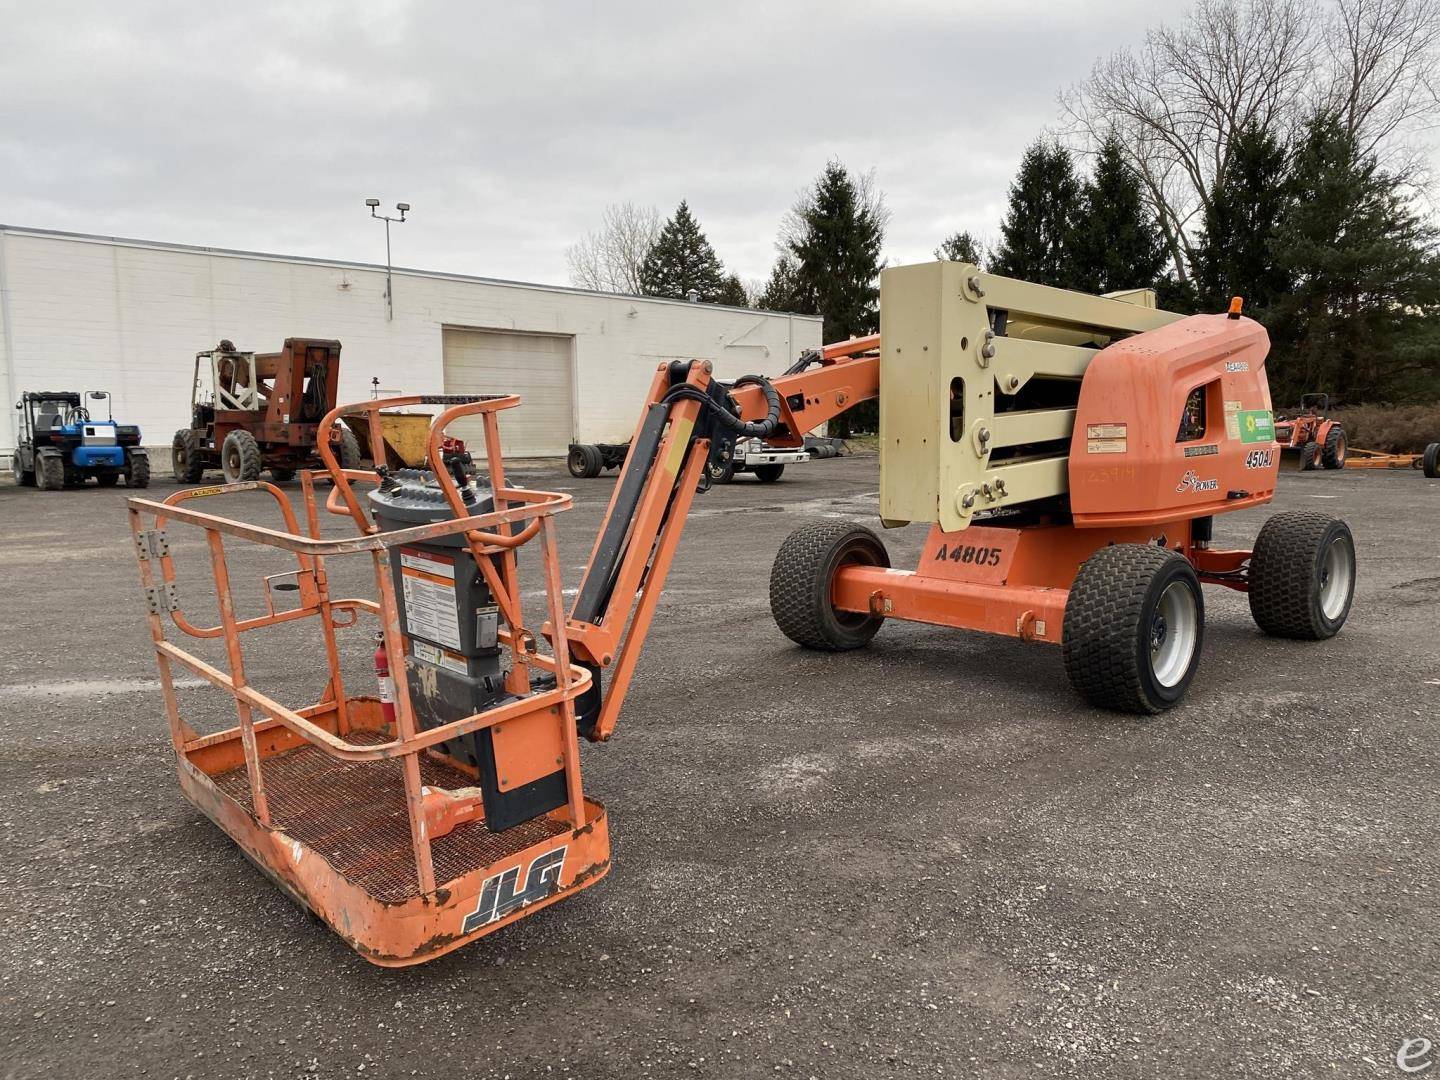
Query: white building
(82, 312)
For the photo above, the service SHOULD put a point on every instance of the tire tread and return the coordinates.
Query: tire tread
(1106, 600)
(800, 585)
(1282, 575)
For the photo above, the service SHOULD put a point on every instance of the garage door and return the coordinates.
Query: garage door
(535, 366)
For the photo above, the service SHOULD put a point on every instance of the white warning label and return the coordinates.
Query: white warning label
(430, 611)
(423, 650)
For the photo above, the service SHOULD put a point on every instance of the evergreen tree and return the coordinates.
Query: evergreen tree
(681, 260)
(1037, 237)
(732, 292)
(1117, 244)
(836, 246)
(960, 247)
(1360, 317)
(837, 253)
(1235, 249)
(785, 291)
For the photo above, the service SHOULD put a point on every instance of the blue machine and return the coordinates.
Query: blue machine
(61, 445)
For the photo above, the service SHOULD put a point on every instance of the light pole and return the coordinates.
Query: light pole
(403, 207)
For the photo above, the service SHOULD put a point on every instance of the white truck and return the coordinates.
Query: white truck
(587, 460)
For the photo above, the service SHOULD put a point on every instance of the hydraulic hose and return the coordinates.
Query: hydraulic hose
(748, 428)
(808, 357)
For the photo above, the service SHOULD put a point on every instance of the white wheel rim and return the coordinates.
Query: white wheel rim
(1174, 629)
(1337, 570)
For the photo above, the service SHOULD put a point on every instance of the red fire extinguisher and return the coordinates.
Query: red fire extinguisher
(387, 684)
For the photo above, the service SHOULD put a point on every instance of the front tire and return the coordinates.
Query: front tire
(1309, 456)
(768, 474)
(50, 474)
(185, 460)
(1134, 628)
(349, 449)
(801, 581)
(1302, 575)
(240, 457)
(137, 470)
(1333, 454)
(23, 476)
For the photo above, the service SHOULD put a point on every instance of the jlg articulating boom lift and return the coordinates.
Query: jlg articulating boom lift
(1068, 452)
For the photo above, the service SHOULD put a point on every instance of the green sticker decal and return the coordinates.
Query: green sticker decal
(1257, 425)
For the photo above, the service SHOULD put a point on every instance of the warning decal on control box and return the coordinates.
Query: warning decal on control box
(429, 597)
(423, 650)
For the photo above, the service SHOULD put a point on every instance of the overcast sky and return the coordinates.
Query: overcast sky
(509, 126)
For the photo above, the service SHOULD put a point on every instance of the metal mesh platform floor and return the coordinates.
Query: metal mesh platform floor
(352, 813)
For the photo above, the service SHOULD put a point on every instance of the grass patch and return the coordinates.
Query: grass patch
(1407, 429)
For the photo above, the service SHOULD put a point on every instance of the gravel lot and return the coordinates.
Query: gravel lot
(924, 859)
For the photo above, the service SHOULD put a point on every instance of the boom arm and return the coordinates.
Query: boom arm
(674, 439)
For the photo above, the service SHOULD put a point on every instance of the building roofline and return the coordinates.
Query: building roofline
(343, 264)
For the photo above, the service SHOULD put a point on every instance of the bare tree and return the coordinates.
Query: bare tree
(1178, 100)
(609, 258)
(1384, 71)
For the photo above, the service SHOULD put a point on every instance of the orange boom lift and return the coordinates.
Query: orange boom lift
(1069, 453)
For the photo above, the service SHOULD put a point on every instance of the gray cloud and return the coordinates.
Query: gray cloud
(509, 126)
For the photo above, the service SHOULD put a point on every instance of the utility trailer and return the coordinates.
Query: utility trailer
(1067, 453)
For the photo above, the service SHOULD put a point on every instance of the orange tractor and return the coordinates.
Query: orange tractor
(1319, 439)
(1322, 443)
(1068, 454)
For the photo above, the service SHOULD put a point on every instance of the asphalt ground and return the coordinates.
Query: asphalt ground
(927, 858)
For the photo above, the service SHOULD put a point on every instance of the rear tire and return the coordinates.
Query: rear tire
(1134, 628)
(137, 470)
(1333, 455)
(1302, 575)
(1431, 461)
(240, 457)
(23, 476)
(585, 461)
(802, 577)
(107, 479)
(724, 474)
(185, 458)
(50, 474)
(349, 449)
(768, 474)
(1309, 456)
(280, 474)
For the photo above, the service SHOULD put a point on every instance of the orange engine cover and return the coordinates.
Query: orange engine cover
(1174, 423)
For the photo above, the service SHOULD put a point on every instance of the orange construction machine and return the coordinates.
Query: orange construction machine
(1068, 453)
(255, 411)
